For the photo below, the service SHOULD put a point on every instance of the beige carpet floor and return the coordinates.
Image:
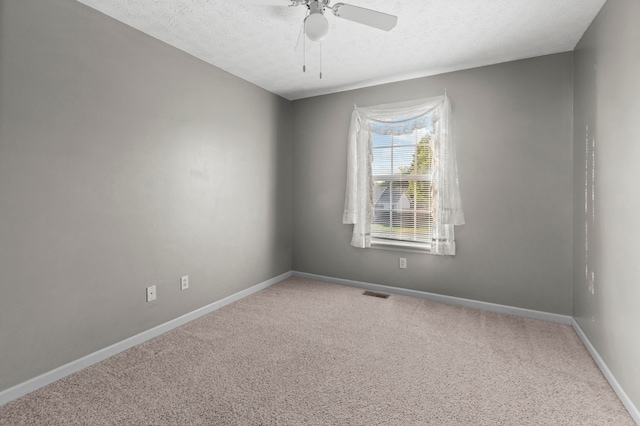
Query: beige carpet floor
(308, 353)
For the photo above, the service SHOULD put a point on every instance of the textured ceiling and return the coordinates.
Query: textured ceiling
(257, 43)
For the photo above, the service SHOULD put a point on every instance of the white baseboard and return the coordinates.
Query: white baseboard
(468, 303)
(102, 354)
(624, 398)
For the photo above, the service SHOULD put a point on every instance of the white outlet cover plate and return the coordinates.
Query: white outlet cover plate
(184, 282)
(151, 293)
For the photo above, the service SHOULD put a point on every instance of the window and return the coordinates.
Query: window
(402, 184)
(402, 192)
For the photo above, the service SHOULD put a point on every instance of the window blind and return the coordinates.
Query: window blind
(402, 186)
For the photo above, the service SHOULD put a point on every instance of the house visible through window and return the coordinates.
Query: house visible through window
(402, 187)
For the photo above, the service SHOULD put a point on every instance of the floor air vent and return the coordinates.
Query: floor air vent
(376, 294)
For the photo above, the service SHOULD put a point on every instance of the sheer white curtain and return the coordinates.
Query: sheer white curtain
(399, 119)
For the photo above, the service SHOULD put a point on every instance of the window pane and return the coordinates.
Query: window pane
(399, 160)
(382, 161)
(409, 139)
(403, 158)
(381, 140)
(402, 208)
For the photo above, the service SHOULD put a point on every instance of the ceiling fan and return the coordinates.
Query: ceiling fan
(316, 25)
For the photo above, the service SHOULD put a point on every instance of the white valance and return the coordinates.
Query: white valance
(399, 119)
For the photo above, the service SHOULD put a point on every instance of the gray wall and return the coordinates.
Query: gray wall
(607, 100)
(124, 163)
(513, 127)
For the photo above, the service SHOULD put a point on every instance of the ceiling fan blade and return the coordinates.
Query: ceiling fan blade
(364, 16)
(266, 2)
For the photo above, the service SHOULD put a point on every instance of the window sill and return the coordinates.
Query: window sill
(406, 246)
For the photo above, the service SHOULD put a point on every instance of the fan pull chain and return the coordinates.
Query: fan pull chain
(304, 48)
(320, 60)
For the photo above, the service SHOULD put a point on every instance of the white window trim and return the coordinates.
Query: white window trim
(398, 245)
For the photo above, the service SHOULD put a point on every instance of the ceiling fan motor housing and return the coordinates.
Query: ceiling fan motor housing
(317, 6)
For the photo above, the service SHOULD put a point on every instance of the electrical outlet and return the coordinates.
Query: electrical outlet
(184, 282)
(403, 263)
(151, 293)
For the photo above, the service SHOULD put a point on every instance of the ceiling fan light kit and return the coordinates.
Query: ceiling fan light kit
(316, 26)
